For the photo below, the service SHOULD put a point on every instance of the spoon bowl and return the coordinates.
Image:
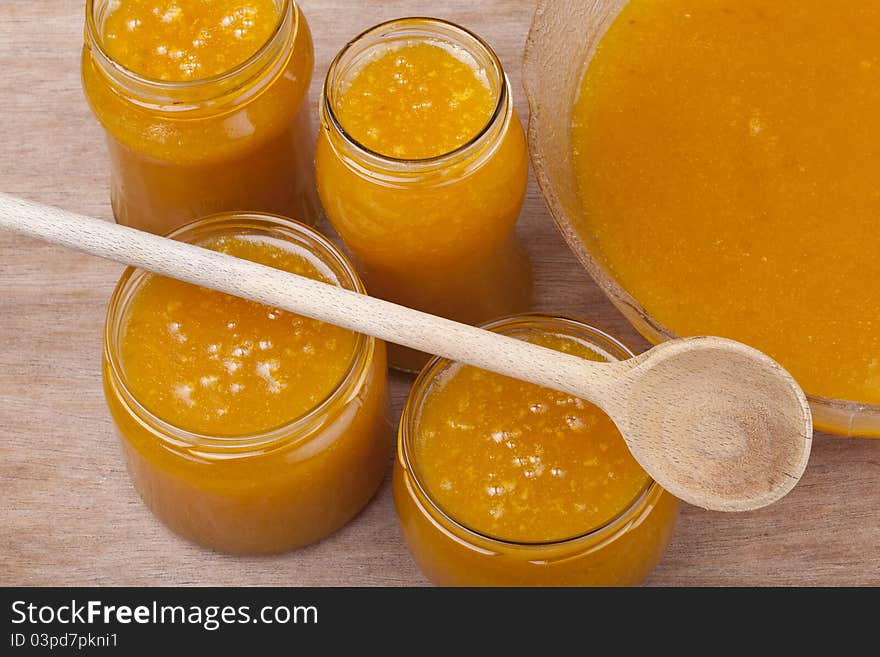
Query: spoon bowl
(718, 422)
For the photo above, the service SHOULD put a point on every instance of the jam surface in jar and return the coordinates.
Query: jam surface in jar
(498, 482)
(215, 364)
(422, 167)
(522, 463)
(205, 107)
(246, 428)
(177, 40)
(417, 101)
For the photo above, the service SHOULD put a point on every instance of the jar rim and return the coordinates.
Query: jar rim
(287, 9)
(409, 420)
(502, 109)
(289, 432)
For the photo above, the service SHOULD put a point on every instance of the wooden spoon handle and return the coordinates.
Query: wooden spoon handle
(304, 296)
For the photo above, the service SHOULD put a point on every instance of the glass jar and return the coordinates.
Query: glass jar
(240, 140)
(434, 234)
(266, 492)
(620, 552)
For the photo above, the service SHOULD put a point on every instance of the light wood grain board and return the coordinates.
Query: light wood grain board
(68, 515)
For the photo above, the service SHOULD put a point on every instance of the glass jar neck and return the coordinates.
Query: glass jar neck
(381, 38)
(231, 88)
(297, 432)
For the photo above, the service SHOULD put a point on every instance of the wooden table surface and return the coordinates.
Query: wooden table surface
(69, 515)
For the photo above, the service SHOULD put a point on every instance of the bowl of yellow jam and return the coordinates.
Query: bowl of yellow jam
(713, 166)
(498, 482)
(246, 428)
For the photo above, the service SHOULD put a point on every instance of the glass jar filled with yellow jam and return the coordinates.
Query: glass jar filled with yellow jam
(503, 483)
(246, 428)
(204, 105)
(422, 167)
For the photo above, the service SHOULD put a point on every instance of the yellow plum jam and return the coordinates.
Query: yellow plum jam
(726, 157)
(501, 482)
(421, 167)
(204, 105)
(246, 428)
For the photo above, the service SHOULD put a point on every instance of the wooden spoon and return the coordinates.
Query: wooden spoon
(713, 421)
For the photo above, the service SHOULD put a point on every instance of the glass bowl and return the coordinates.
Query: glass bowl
(556, 57)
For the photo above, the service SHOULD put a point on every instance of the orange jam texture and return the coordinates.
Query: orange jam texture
(726, 154)
(439, 240)
(228, 368)
(177, 40)
(218, 365)
(417, 101)
(218, 144)
(518, 462)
